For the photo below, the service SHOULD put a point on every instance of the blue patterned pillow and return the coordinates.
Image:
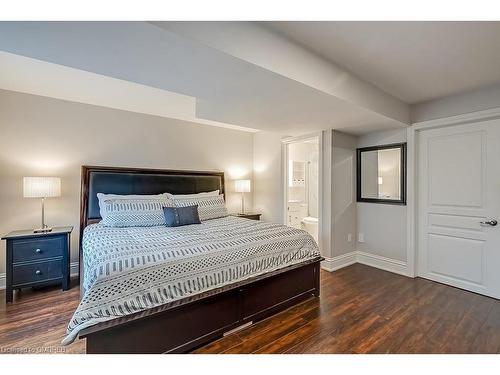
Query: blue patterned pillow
(209, 207)
(177, 216)
(135, 212)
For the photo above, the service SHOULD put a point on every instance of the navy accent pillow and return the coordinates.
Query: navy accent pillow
(177, 216)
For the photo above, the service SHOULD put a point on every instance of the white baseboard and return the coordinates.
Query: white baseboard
(386, 264)
(377, 261)
(73, 271)
(341, 261)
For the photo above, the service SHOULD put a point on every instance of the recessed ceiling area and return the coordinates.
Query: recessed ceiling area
(413, 61)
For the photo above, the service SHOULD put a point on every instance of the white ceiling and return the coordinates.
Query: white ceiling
(227, 90)
(413, 61)
(242, 75)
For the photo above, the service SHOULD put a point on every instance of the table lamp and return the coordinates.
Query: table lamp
(242, 186)
(42, 187)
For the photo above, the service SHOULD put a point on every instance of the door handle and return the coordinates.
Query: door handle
(489, 222)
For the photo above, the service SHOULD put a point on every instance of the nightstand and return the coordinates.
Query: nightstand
(251, 216)
(37, 259)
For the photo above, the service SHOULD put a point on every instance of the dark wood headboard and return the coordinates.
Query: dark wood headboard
(117, 180)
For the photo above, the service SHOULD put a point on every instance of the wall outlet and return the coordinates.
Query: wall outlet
(349, 237)
(361, 237)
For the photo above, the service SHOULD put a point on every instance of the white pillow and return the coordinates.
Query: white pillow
(135, 212)
(207, 194)
(101, 197)
(209, 207)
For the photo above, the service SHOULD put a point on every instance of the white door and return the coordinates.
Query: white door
(458, 206)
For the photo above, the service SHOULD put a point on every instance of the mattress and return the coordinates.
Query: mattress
(129, 270)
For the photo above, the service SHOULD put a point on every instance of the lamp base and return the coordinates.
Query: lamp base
(42, 230)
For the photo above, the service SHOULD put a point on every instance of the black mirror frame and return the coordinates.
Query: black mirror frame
(402, 147)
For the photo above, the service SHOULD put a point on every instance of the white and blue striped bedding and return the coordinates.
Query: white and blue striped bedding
(131, 269)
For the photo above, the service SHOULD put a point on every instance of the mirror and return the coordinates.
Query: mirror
(381, 174)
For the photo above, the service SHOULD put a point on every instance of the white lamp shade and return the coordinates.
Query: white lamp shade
(242, 186)
(41, 187)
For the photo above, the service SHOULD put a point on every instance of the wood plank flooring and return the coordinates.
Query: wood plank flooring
(361, 310)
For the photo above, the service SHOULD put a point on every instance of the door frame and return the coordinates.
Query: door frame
(284, 182)
(412, 168)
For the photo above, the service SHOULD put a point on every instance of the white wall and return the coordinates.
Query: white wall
(343, 193)
(42, 136)
(383, 225)
(268, 176)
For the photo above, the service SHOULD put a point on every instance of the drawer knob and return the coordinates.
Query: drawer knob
(38, 272)
(38, 251)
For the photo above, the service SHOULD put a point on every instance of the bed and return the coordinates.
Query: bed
(170, 290)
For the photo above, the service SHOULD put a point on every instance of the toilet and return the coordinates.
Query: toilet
(310, 224)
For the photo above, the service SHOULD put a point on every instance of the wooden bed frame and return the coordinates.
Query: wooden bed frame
(183, 325)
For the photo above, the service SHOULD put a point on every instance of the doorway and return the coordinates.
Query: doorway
(302, 184)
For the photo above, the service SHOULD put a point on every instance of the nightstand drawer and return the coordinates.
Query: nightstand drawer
(37, 272)
(37, 248)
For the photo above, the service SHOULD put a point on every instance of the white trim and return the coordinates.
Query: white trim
(301, 138)
(410, 200)
(412, 163)
(73, 271)
(338, 262)
(325, 194)
(284, 181)
(477, 116)
(321, 216)
(383, 263)
(377, 261)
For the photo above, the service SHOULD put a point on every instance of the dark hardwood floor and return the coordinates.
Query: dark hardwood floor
(361, 310)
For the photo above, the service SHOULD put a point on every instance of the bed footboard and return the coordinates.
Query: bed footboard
(183, 328)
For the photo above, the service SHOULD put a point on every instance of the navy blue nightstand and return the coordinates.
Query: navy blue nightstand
(37, 259)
